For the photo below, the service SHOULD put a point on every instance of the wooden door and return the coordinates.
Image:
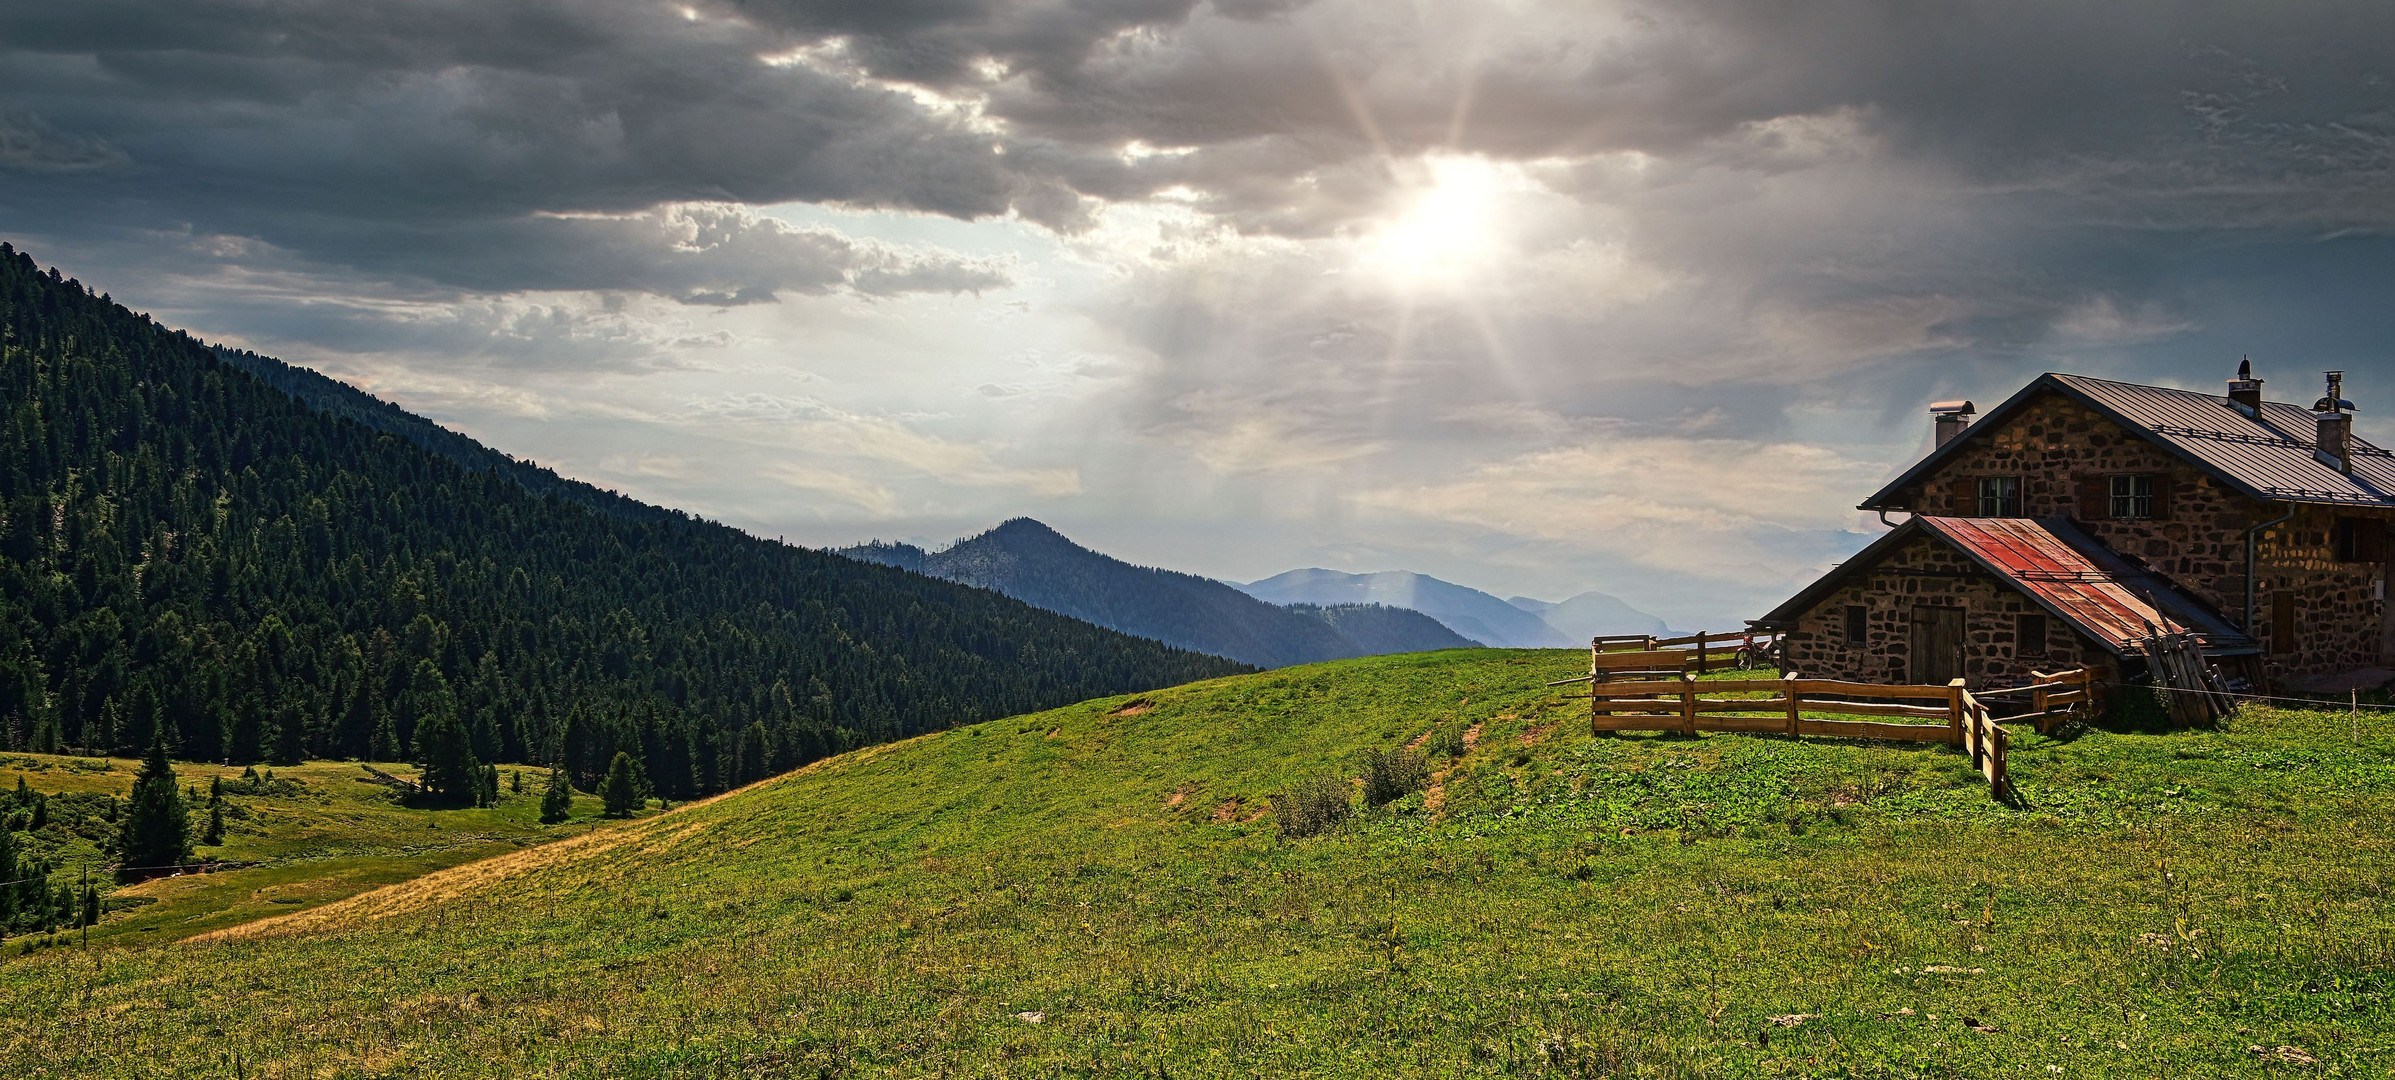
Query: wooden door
(1937, 653)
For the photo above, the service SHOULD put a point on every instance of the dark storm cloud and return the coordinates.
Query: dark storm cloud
(29, 145)
(313, 125)
(394, 136)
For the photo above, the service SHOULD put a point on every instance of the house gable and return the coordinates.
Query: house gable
(1877, 594)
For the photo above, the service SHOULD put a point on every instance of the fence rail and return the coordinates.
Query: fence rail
(1792, 705)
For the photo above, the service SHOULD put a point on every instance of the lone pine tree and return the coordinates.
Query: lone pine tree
(626, 788)
(155, 831)
(557, 803)
(451, 775)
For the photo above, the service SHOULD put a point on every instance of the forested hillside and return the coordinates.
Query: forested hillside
(182, 544)
(1033, 563)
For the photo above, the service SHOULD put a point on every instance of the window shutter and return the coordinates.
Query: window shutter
(2370, 541)
(1966, 497)
(2095, 498)
(2162, 485)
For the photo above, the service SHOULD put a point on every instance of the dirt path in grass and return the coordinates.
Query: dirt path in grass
(1436, 798)
(443, 886)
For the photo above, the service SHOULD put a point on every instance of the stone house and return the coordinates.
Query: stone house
(2048, 532)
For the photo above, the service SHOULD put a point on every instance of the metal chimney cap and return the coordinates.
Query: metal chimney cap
(2335, 401)
(1953, 408)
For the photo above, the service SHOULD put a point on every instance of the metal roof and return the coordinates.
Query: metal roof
(2104, 596)
(2270, 457)
(2070, 574)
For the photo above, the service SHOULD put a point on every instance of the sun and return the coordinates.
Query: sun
(1449, 225)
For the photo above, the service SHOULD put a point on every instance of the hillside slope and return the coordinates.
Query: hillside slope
(181, 544)
(1098, 890)
(328, 395)
(1033, 563)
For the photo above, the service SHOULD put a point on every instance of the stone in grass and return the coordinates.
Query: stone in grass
(1032, 1017)
(1790, 1020)
(2288, 1054)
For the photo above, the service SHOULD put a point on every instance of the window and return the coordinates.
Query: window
(1858, 620)
(2360, 540)
(2030, 634)
(1999, 496)
(2132, 497)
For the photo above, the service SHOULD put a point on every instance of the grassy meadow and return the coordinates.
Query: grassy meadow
(1101, 890)
(320, 832)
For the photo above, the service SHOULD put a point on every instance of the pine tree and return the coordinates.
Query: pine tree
(557, 802)
(8, 872)
(91, 905)
(215, 833)
(384, 745)
(154, 831)
(626, 788)
(515, 781)
(451, 776)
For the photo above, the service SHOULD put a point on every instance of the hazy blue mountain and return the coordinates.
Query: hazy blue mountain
(1033, 563)
(1593, 613)
(1379, 628)
(1469, 612)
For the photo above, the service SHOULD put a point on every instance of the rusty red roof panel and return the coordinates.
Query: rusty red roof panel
(2072, 575)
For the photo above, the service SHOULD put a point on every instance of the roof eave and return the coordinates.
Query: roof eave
(1883, 498)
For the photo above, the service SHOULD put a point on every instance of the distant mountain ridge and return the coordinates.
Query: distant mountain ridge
(1591, 614)
(1031, 562)
(252, 563)
(1520, 623)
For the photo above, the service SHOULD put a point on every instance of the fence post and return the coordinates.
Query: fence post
(2003, 773)
(1688, 704)
(1975, 735)
(1788, 685)
(1954, 708)
(1701, 666)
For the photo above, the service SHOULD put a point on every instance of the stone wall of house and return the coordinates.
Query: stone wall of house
(2199, 544)
(1928, 570)
(2338, 619)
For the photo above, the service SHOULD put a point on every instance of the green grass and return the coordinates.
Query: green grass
(1633, 906)
(325, 835)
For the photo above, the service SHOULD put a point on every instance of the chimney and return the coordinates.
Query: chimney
(1950, 418)
(2245, 391)
(2335, 416)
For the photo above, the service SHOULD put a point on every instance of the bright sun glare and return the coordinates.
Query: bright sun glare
(1448, 227)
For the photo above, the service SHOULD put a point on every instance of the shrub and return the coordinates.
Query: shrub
(1390, 775)
(1312, 806)
(1446, 742)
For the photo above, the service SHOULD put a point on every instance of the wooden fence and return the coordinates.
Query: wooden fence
(1792, 705)
(1638, 682)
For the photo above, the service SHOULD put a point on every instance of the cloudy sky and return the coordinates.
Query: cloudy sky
(1540, 298)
